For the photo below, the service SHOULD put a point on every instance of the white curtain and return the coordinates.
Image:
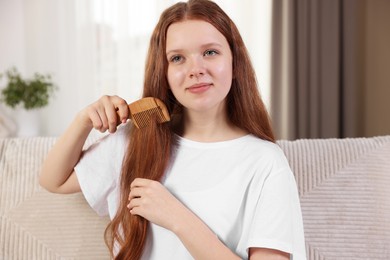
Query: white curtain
(96, 47)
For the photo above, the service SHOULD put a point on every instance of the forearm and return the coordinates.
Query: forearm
(64, 155)
(199, 239)
(153, 201)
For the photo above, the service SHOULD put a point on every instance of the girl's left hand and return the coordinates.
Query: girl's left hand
(151, 200)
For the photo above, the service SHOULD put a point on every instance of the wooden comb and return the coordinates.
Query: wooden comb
(146, 109)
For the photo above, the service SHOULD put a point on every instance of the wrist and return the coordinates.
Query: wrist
(183, 222)
(83, 120)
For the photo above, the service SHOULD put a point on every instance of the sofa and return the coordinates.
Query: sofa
(344, 187)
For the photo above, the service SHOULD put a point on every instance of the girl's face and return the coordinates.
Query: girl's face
(200, 65)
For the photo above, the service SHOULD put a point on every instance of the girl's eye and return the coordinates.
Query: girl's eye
(176, 58)
(210, 53)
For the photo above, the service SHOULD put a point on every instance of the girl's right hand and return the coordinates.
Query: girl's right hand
(106, 113)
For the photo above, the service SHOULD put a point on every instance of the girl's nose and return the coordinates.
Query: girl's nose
(197, 67)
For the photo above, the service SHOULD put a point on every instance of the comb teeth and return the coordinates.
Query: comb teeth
(143, 118)
(145, 110)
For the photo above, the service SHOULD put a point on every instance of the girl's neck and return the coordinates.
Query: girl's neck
(208, 127)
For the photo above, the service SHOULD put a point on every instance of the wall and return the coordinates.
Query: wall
(12, 34)
(32, 44)
(12, 54)
(62, 37)
(19, 30)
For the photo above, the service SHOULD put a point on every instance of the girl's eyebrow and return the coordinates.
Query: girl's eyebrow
(203, 46)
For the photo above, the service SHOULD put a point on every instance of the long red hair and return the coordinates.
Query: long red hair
(149, 151)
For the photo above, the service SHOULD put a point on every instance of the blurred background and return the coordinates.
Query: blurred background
(323, 66)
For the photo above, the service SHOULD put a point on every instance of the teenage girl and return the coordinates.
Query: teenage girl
(209, 184)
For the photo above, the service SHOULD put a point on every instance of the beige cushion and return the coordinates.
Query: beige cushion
(344, 186)
(36, 224)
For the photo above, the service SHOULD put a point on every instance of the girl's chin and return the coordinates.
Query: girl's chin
(204, 107)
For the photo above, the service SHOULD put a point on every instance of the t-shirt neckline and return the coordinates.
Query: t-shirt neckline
(218, 144)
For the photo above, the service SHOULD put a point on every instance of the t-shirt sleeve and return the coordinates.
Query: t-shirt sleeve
(277, 220)
(99, 168)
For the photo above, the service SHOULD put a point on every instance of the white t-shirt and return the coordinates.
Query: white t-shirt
(243, 189)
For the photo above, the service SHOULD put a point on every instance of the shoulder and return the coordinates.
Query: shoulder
(107, 148)
(266, 155)
(263, 148)
(118, 139)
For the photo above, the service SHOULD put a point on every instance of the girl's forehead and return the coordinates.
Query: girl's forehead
(193, 32)
(191, 24)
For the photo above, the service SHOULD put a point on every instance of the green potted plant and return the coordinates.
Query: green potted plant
(24, 97)
(28, 93)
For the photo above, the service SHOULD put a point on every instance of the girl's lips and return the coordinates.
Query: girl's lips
(199, 88)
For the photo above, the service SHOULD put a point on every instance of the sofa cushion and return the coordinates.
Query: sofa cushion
(344, 186)
(36, 224)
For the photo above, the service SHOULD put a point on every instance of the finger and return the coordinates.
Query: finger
(112, 119)
(110, 114)
(135, 193)
(122, 109)
(103, 119)
(95, 119)
(136, 203)
(137, 211)
(134, 207)
(133, 203)
(98, 118)
(140, 182)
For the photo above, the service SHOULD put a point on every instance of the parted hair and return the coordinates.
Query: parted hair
(150, 149)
